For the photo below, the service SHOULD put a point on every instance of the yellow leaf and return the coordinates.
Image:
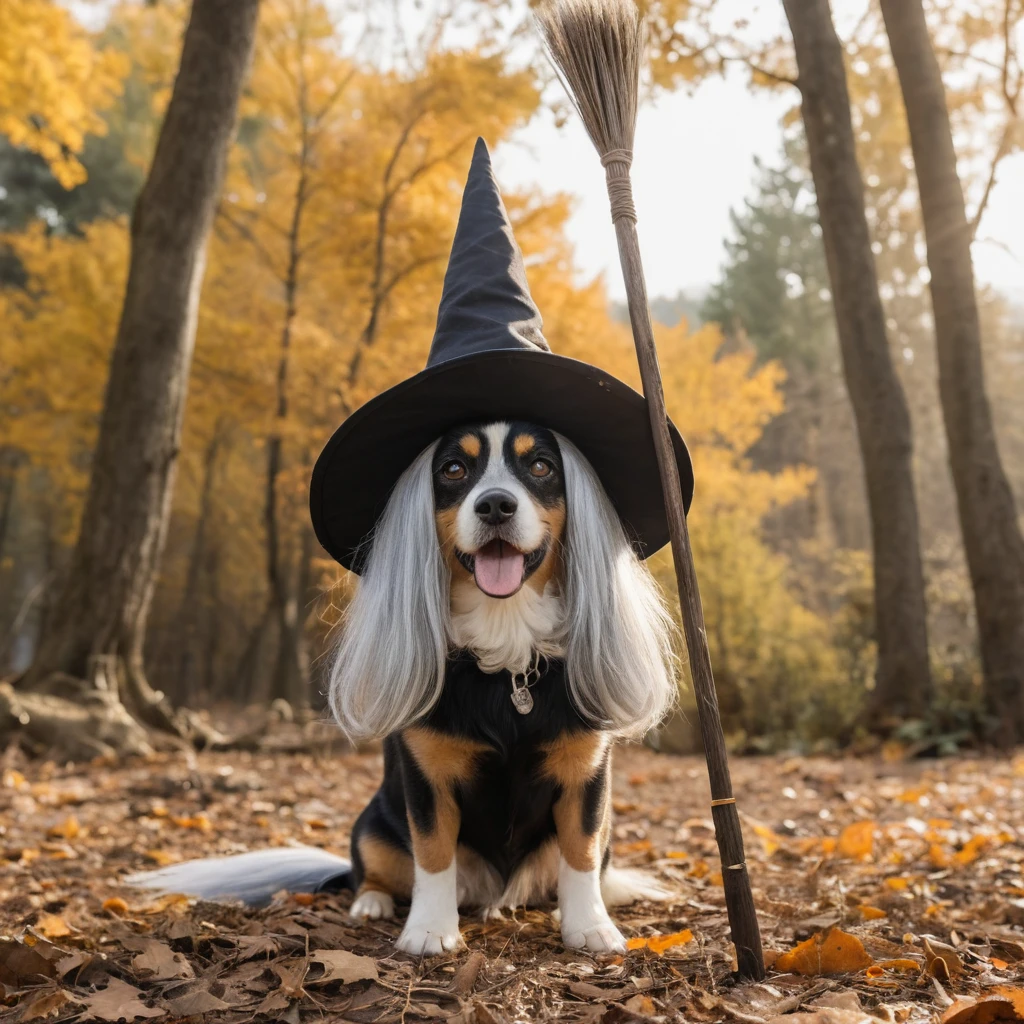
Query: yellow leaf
(857, 840)
(13, 779)
(659, 943)
(897, 884)
(834, 953)
(971, 850)
(938, 857)
(900, 965)
(769, 839)
(677, 855)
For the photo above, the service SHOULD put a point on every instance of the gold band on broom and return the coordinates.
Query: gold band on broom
(597, 47)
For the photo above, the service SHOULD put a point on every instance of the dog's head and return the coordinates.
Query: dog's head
(499, 505)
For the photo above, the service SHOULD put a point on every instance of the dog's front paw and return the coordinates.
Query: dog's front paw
(429, 939)
(597, 937)
(373, 905)
(601, 938)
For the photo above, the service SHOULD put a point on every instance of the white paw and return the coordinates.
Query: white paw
(597, 936)
(429, 940)
(491, 914)
(373, 905)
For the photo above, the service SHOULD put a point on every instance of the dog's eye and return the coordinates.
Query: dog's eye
(540, 467)
(454, 471)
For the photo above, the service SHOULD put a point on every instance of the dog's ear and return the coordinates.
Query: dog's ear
(619, 657)
(389, 665)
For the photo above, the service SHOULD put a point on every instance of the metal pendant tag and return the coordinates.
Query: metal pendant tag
(523, 700)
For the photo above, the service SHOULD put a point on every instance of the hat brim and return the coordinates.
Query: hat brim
(606, 419)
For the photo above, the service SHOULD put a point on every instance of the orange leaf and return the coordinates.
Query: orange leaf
(897, 884)
(857, 840)
(67, 829)
(161, 857)
(999, 965)
(659, 943)
(834, 953)
(639, 779)
(200, 822)
(870, 913)
(52, 926)
(938, 857)
(304, 899)
(1002, 1003)
(677, 855)
(116, 906)
(972, 850)
(769, 839)
(876, 976)
(900, 965)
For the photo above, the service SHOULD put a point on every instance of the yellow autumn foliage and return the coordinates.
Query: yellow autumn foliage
(53, 83)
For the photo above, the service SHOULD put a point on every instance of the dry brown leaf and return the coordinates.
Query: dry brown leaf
(196, 1002)
(341, 965)
(943, 964)
(118, 1001)
(156, 961)
(640, 1004)
(836, 952)
(19, 963)
(43, 1005)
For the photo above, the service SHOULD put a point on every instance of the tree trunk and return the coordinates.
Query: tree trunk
(903, 681)
(104, 603)
(988, 518)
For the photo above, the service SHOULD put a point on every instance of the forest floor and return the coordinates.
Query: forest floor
(906, 877)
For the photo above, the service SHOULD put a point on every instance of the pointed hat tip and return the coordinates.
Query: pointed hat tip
(480, 151)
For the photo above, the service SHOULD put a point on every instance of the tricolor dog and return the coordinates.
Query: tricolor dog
(505, 631)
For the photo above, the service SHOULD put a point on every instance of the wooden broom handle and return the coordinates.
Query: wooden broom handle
(738, 896)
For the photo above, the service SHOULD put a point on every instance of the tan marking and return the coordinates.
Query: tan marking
(445, 761)
(572, 761)
(524, 443)
(470, 444)
(444, 521)
(385, 868)
(573, 758)
(554, 519)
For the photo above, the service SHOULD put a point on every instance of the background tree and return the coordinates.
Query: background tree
(988, 516)
(104, 603)
(903, 687)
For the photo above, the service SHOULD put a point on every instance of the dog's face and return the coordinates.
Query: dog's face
(499, 502)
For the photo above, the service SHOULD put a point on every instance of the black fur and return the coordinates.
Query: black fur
(507, 808)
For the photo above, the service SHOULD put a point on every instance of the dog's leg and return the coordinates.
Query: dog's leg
(433, 765)
(387, 872)
(580, 763)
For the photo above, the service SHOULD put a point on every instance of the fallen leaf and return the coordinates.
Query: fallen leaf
(659, 943)
(43, 1005)
(67, 829)
(200, 822)
(20, 963)
(1000, 1004)
(116, 906)
(197, 1002)
(118, 1001)
(640, 1004)
(156, 961)
(161, 858)
(304, 899)
(943, 964)
(857, 840)
(869, 913)
(341, 965)
(897, 884)
(837, 952)
(904, 965)
(52, 926)
(770, 840)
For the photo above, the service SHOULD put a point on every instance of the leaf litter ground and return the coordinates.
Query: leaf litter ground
(887, 891)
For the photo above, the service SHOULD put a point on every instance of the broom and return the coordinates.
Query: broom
(597, 48)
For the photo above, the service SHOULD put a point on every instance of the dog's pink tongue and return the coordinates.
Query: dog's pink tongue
(498, 568)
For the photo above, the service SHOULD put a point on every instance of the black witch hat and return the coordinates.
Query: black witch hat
(489, 361)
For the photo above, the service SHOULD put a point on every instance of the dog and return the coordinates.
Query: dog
(503, 635)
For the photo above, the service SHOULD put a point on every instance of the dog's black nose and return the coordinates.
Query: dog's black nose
(496, 507)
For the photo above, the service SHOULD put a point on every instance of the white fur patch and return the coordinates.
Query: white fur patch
(373, 905)
(585, 920)
(433, 922)
(620, 886)
(505, 632)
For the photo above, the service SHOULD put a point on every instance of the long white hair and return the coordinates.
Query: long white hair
(389, 666)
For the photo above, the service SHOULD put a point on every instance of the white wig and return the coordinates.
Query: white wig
(390, 663)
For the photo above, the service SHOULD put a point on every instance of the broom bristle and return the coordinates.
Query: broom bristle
(596, 47)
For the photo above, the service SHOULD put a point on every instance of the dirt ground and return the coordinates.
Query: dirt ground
(905, 876)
